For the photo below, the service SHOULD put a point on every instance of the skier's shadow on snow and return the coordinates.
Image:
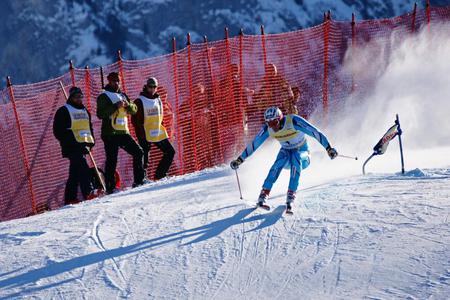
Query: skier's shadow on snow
(215, 228)
(200, 233)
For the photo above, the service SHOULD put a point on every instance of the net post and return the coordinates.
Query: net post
(9, 86)
(72, 72)
(122, 76)
(177, 103)
(191, 100)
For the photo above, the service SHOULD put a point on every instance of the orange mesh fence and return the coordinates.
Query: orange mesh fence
(214, 96)
(15, 194)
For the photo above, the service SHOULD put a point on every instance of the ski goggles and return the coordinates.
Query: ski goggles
(273, 123)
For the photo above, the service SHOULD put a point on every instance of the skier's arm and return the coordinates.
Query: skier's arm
(304, 126)
(260, 138)
(257, 141)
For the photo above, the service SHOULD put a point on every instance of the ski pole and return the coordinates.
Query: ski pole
(239, 185)
(97, 172)
(345, 156)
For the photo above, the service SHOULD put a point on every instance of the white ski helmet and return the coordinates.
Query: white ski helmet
(273, 113)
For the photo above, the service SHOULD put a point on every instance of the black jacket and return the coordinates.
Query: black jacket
(61, 130)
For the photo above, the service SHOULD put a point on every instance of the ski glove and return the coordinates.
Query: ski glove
(332, 153)
(235, 163)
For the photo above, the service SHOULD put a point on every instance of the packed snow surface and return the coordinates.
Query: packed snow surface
(376, 236)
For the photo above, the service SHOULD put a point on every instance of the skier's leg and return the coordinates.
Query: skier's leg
(296, 169)
(299, 160)
(274, 173)
(305, 159)
(166, 160)
(276, 168)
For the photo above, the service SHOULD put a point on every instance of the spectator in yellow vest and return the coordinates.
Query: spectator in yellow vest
(113, 108)
(149, 128)
(72, 127)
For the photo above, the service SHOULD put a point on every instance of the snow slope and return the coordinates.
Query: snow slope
(379, 236)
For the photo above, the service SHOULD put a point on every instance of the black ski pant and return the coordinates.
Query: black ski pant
(165, 162)
(127, 143)
(79, 173)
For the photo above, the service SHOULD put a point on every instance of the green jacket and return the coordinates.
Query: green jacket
(105, 109)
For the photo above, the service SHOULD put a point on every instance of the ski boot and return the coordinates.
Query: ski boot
(290, 197)
(262, 199)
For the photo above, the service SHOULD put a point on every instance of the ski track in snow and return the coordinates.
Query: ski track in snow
(379, 236)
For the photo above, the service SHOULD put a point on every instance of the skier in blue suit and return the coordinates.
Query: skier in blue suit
(290, 131)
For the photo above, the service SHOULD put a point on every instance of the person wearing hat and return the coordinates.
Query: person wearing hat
(113, 108)
(72, 127)
(149, 129)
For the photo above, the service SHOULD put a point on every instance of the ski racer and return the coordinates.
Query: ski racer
(290, 131)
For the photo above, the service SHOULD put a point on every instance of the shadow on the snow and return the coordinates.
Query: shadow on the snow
(217, 227)
(200, 234)
(269, 219)
(37, 289)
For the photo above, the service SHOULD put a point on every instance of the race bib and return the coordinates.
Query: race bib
(120, 121)
(154, 132)
(85, 133)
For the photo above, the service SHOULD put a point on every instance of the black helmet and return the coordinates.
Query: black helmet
(74, 91)
(152, 82)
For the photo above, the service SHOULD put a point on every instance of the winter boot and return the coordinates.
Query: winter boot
(94, 194)
(71, 201)
(144, 181)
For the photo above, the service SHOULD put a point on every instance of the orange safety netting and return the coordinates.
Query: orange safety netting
(214, 95)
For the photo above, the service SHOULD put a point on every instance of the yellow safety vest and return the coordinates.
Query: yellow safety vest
(288, 136)
(80, 124)
(119, 120)
(153, 116)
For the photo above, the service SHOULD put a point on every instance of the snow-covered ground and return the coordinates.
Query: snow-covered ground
(380, 236)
